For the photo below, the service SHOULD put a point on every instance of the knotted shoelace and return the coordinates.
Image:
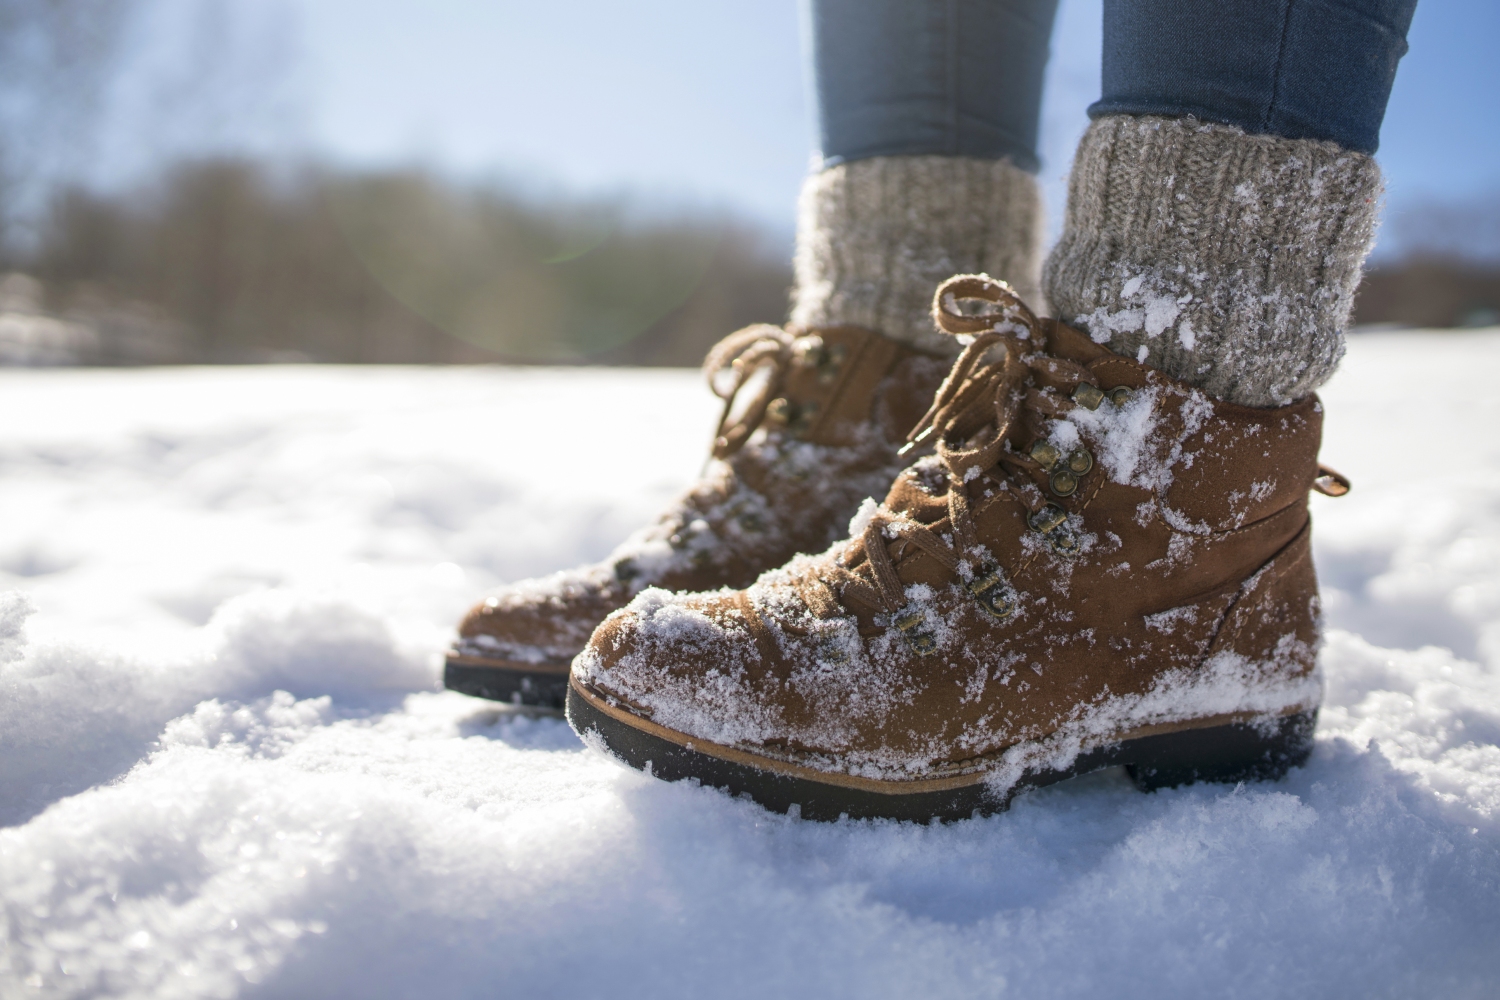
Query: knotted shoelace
(757, 356)
(1003, 374)
(975, 410)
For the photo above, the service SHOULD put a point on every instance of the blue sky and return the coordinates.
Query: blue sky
(703, 101)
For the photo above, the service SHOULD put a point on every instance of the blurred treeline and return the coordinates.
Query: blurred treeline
(155, 208)
(1443, 269)
(229, 261)
(236, 256)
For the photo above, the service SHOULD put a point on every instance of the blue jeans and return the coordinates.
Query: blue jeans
(964, 77)
(944, 77)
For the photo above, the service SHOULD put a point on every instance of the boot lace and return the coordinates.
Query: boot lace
(748, 370)
(1003, 372)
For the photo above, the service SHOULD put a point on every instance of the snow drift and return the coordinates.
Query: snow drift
(226, 768)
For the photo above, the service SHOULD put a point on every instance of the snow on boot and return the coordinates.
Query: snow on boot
(1099, 565)
(812, 424)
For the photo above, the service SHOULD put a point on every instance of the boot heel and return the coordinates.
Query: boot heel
(1232, 753)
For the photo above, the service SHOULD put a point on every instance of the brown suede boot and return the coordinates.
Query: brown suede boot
(1100, 565)
(812, 424)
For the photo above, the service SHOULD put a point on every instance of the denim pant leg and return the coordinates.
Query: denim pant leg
(929, 77)
(1301, 69)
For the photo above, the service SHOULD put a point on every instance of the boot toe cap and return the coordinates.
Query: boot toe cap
(551, 616)
(678, 659)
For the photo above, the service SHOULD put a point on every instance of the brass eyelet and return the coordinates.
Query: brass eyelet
(1051, 522)
(1047, 518)
(1045, 454)
(811, 352)
(1119, 395)
(1063, 483)
(833, 651)
(994, 595)
(1080, 461)
(1088, 396)
(808, 351)
(797, 419)
(1063, 542)
(910, 624)
(832, 364)
(802, 421)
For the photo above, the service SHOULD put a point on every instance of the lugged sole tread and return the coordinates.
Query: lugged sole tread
(517, 686)
(1227, 753)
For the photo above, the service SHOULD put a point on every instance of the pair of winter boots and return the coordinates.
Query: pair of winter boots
(1087, 564)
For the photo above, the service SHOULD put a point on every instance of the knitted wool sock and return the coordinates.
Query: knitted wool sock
(1227, 260)
(875, 238)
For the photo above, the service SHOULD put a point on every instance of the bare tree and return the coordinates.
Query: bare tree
(56, 59)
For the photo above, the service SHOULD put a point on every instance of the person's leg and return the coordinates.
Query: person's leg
(1224, 198)
(928, 111)
(1132, 552)
(927, 119)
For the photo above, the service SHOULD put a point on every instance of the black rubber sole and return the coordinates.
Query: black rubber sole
(508, 684)
(1228, 753)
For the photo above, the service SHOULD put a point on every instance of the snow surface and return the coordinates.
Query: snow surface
(226, 768)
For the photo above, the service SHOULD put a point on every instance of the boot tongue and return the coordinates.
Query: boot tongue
(1066, 342)
(920, 492)
(912, 493)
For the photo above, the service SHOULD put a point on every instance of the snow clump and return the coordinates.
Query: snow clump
(227, 768)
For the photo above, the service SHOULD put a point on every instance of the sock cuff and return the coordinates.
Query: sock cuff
(875, 238)
(1226, 259)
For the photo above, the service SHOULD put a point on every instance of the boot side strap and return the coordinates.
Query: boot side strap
(1331, 483)
(850, 400)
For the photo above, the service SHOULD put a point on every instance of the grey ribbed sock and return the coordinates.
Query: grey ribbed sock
(1227, 260)
(875, 238)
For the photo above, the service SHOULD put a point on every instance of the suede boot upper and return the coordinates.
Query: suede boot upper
(813, 420)
(1095, 549)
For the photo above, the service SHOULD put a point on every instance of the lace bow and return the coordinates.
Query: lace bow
(756, 356)
(969, 422)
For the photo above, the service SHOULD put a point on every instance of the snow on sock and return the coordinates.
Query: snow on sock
(1227, 260)
(875, 237)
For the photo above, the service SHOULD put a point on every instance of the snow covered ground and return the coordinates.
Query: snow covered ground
(226, 768)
